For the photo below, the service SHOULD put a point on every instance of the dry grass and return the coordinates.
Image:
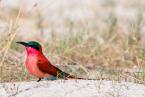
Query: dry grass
(93, 44)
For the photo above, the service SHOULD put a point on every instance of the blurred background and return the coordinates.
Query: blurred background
(101, 39)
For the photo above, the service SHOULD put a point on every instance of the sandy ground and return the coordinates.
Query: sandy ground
(72, 88)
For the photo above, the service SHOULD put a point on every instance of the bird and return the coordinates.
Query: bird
(38, 65)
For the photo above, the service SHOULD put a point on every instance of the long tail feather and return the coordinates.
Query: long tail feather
(74, 77)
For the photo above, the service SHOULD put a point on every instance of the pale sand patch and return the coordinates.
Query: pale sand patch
(72, 88)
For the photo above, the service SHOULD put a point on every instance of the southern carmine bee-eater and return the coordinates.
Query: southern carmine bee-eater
(38, 65)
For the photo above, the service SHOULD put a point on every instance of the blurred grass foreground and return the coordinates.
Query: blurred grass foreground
(88, 38)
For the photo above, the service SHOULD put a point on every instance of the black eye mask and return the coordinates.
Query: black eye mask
(35, 47)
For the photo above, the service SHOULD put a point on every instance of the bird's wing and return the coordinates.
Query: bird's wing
(47, 67)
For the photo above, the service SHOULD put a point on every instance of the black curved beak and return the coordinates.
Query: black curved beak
(23, 43)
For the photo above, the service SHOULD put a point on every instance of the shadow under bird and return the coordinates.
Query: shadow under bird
(38, 65)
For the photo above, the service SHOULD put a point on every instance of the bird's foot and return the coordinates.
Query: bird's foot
(39, 80)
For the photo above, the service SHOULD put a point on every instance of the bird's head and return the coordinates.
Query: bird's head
(32, 46)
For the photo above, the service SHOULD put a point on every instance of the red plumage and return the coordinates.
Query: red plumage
(37, 64)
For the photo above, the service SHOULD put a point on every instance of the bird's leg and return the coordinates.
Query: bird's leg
(39, 80)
